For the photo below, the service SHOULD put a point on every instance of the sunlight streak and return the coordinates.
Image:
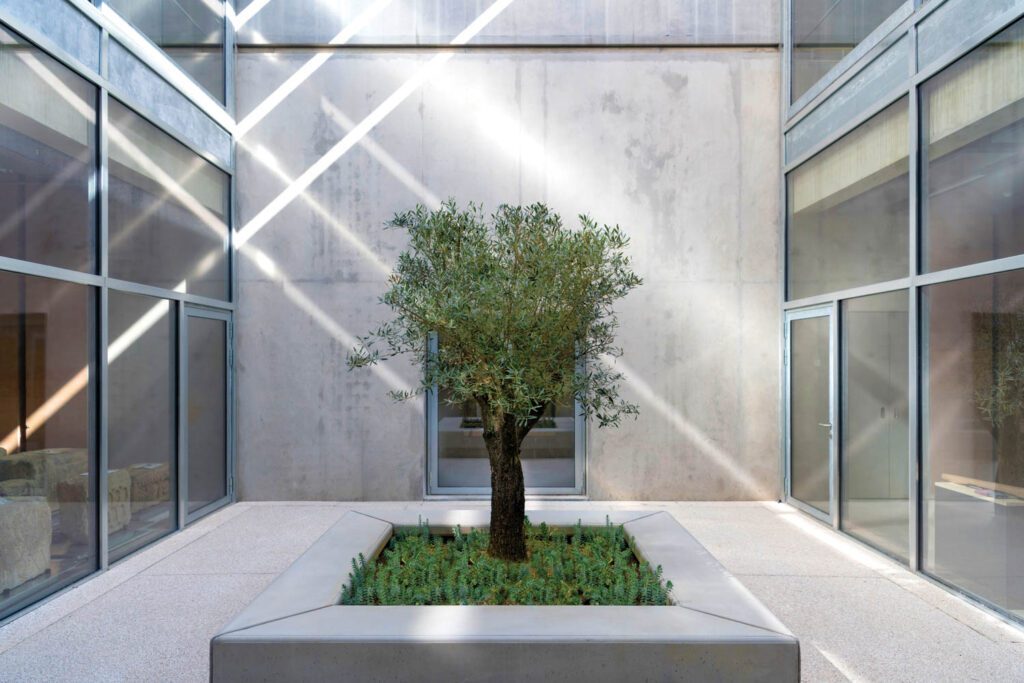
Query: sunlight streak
(422, 75)
(266, 157)
(390, 164)
(308, 69)
(321, 318)
(685, 428)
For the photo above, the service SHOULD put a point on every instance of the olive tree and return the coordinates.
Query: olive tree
(522, 310)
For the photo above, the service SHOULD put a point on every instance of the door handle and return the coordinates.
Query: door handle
(825, 424)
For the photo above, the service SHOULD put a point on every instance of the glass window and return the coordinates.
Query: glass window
(207, 411)
(47, 159)
(168, 210)
(874, 482)
(141, 428)
(47, 472)
(825, 31)
(972, 139)
(191, 32)
(548, 452)
(972, 423)
(810, 431)
(849, 210)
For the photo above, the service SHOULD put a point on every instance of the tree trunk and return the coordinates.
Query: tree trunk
(508, 492)
(1010, 452)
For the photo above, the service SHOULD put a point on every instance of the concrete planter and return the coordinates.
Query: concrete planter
(296, 630)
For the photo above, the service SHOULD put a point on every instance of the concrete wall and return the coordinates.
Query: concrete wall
(679, 145)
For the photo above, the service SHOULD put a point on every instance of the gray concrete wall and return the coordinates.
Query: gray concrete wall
(678, 145)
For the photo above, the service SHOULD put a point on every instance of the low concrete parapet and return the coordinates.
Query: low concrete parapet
(716, 630)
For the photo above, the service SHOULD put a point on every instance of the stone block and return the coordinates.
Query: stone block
(151, 485)
(76, 513)
(25, 536)
(45, 470)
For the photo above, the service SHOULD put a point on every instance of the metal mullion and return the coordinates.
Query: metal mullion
(13, 265)
(163, 293)
(849, 293)
(835, 431)
(103, 321)
(229, 58)
(914, 261)
(181, 413)
(992, 267)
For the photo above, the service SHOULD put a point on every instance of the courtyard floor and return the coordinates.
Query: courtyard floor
(859, 616)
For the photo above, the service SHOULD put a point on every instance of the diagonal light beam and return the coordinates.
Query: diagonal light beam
(306, 70)
(361, 129)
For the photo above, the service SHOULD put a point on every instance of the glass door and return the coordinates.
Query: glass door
(810, 472)
(206, 411)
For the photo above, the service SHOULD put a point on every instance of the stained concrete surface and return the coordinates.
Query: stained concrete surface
(679, 146)
(858, 615)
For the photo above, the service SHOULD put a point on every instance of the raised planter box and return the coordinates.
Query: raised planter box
(296, 630)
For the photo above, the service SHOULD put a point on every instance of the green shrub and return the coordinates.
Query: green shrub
(584, 566)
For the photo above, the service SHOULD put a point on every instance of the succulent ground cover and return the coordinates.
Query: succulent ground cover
(578, 566)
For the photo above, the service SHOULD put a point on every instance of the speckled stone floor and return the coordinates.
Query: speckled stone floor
(859, 616)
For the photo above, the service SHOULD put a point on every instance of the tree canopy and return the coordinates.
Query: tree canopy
(520, 305)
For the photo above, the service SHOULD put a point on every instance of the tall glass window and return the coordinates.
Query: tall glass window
(874, 453)
(141, 429)
(207, 411)
(548, 452)
(47, 471)
(972, 139)
(972, 426)
(168, 210)
(849, 210)
(47, 159)
(825, 31)
(191, 32)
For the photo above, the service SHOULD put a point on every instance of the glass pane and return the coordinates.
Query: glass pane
(207, 411)
(849, 210)
(142, 433)
(548, 452)
(874, 457)
(47, 471)
(825, 31)
(972, 423)
(47, 159)
(168, 210)
(191, 32)
(972, 133)
(810, 434)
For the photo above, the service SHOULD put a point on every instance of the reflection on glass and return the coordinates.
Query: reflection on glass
(874, 455)
(849, 209)
(168, 210)
(141, 427)
(825, 31)
(810, 433)
(207, 411)
(548, 452)
(191, 32)
(47, 472)
(972, 136)
(972, 425)
(47, 159)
